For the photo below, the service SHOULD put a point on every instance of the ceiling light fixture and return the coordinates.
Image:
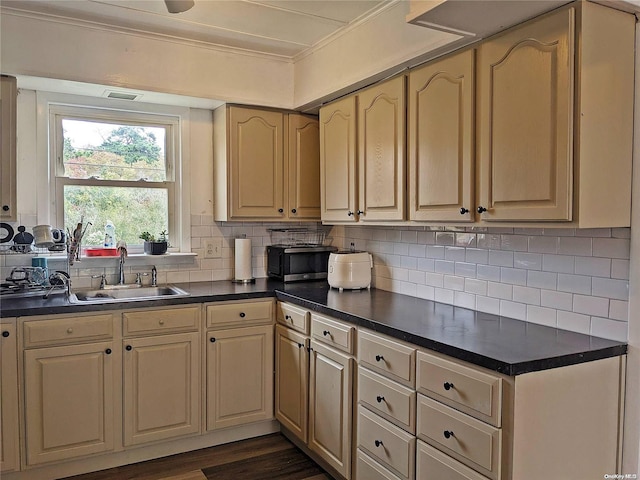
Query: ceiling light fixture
(178, 6)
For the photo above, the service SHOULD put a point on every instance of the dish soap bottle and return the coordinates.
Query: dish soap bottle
(109, 235)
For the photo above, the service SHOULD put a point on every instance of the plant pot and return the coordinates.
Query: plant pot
(155, 248)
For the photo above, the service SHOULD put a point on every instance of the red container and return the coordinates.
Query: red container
(101, 252)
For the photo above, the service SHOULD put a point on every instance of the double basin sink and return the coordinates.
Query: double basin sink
(130, 293)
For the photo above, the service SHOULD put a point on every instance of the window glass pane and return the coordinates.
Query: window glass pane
(110, 151)
(132, 211)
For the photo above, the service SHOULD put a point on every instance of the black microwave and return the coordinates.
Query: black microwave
(293, 263)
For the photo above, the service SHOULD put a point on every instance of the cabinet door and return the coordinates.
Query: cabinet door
(441, 109)
(161, 387)
(8, 400)
(338, 181)
(303, 144)
(239, 376)
(526, 93)
(292, 381)
(69, 400)
(381, 150)
(256, 185)
(8, 141)
(330, 407)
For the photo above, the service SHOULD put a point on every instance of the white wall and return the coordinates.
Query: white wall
(89, 53)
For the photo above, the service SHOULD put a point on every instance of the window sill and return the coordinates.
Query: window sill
(133, 259)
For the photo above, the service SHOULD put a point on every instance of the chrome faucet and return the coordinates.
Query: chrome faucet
(122, 251)
(154, 277)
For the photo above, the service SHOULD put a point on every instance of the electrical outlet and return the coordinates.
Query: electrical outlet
(212, 248)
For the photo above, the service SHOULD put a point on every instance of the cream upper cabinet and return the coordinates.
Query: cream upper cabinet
(266, 165)
(69, 401)
(338, 147)
(303, 163)
(239, 376)
(555, 119)
(9, 445)
(161, 387)
(8, 142)
(381, 151)
(441, 140)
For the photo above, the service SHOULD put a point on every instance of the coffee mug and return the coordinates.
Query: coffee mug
(43, 236)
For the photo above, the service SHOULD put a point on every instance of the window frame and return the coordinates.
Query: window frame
(53, 107)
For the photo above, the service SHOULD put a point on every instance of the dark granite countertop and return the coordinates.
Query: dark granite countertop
(501, 344)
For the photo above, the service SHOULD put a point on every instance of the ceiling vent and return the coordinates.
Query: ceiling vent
(122, 95)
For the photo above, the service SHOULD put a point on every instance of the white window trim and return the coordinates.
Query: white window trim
(47, 211)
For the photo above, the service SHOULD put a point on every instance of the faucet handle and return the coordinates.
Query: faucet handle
(103, 280)
(139, 276)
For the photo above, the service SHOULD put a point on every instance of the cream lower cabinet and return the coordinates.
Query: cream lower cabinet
(239, 356)
(9, 444)
(161, 368)
(70, 369)
(314, 384)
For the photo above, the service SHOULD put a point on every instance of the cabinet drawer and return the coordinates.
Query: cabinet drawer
(388, 444)
(333, 332)
(388, 357)
(294, 317)
(68, 330)
(368, 469)
(389, 399)
(160, 321)
(470, 441)
(228, 314)
(468, 389)
(431, 464)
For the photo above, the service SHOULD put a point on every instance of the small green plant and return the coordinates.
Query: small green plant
(147, 237)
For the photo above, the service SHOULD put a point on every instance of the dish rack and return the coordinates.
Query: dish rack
(296, 236)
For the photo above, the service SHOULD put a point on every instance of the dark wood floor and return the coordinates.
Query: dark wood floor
(271, 457)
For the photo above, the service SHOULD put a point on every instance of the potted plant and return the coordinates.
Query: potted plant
(153, 246)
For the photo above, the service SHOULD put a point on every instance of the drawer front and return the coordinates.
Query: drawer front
(68, 330)
(243, 313)
(368, 469)
(431, 464)
(388, 444)
(333, 332)
(471, 441)
(294, 317)
(475, 392)
(389, 399)
(160, 321)
(390, 358)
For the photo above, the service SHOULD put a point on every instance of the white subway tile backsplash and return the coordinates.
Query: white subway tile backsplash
(607, 328)
(488, 305)
(610, 288)
(427, 238)
(513, 310)
(476, 255)
(456, 254)
(611, 247)
(513, 276)
(529, 261)
(451, 282)
(517, 243)
(477, 287)
(488, 240)
(574, 283)
(488, 272)
(465, 269)
(417, 250)
(445, 266)
(409, 236)
(574, 322)
(620, 269)
(619, 310)
(542, 279)
(540, 244)
(434, 279)
(434, 251)
(621, 232)
(593, 232)
(467, 240)
(425, 291)
(594, 306)
(443, 295)
(416, 276)
(465, 300)
(410, 262)
(557, 300)
(500, 290)
(542, 315)
(575, 246)
(426, 264)
(401, 249)
(593, 266)
(558, 263)
(528, 295)
(445, 238)
(500, 258)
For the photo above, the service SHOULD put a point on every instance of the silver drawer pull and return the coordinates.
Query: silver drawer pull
(448, 434)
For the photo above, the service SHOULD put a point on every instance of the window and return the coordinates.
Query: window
(115, 166)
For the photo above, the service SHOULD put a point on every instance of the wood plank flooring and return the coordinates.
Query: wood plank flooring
(271, 457)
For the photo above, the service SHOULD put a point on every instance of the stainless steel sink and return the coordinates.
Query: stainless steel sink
(126, 294)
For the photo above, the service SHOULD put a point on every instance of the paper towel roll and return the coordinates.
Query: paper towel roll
(243, 259)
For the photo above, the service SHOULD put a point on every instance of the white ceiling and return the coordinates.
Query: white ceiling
(279, 27)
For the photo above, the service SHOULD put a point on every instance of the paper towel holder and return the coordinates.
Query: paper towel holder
(238, 261)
